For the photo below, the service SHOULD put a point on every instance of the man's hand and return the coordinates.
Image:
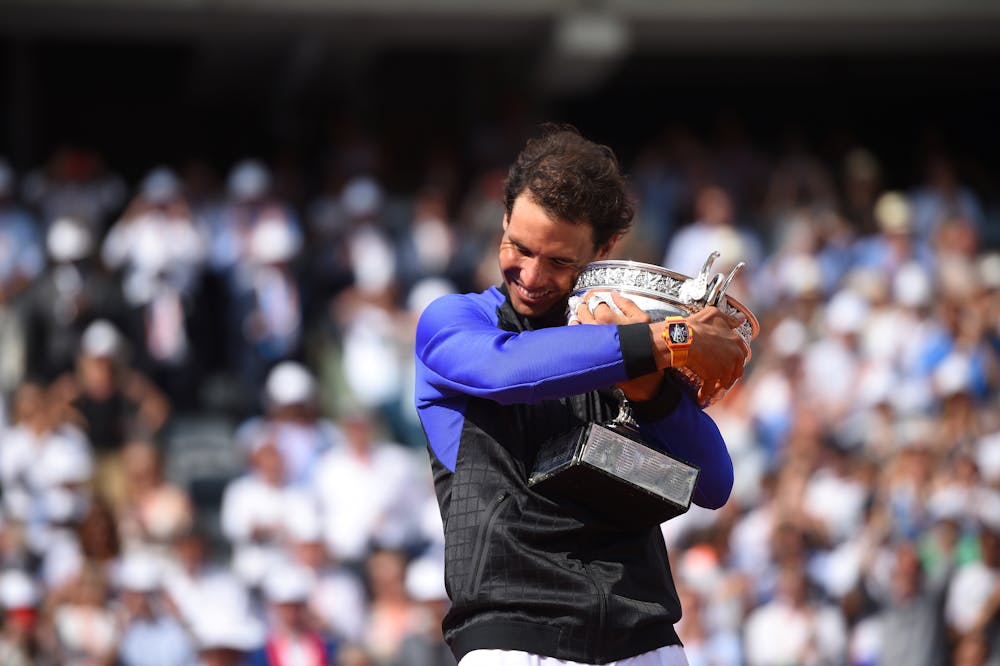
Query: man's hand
(717, 352)
(638, 389)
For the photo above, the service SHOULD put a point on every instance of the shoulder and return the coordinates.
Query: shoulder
(459, 307)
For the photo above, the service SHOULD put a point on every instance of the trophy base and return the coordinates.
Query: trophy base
(613, 474)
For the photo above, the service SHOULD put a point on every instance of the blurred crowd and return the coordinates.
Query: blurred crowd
(209, 455)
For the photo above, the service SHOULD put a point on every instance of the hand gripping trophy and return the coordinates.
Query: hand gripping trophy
(608, 466)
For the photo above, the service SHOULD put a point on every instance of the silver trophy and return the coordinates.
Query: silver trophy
(607, 467)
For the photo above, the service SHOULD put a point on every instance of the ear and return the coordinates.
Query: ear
(605, 250)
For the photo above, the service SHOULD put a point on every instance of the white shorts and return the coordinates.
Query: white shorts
(672, 655)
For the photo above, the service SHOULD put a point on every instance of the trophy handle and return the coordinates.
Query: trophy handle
(720, 297)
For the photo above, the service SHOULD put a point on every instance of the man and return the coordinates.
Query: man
(534, 581)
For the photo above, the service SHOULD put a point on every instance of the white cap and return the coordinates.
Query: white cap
(139, 573)
(69, 240)
(893, 213)
(101, 338)
(846, 312)
(225, 628)
(288, 584)
(290, 383)
(989, 270)
(161, 185)
(361, 197)
(425, 579)
(249, 179)
(272, 239)
(953, 375)
(18, 590)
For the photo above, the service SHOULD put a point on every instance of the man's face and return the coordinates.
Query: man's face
(541, 257)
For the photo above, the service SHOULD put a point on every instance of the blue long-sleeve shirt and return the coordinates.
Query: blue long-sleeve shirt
(462, 353)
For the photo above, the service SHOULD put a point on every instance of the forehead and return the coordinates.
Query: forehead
(531, 225)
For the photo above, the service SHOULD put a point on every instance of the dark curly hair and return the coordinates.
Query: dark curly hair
(573, 179)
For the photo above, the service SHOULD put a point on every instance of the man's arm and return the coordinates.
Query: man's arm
(675, 423)
(464, 353)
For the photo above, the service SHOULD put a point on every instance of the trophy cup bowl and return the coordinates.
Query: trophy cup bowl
(606, 466)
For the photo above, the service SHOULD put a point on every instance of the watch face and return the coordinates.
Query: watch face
(679, 333)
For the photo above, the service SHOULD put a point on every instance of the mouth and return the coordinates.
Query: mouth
(532, 295)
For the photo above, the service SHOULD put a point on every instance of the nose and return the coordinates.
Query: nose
(532, 271)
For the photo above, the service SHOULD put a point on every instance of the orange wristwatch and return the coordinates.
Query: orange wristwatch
(678, 336)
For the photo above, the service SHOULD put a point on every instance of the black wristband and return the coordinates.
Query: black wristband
(637, 349)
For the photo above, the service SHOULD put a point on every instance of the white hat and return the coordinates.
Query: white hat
(69, 240)
(161, 185)
(953, 375)
(18, 590)
(227, 628)
(289, 583)
(846, 312)
(290, 383)
(101, 338)
(139, 573)
(272, 239)
(893, 213)
(989, 270)
(249, 179)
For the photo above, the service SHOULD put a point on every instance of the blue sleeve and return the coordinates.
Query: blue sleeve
(460, 351)
(691, 435)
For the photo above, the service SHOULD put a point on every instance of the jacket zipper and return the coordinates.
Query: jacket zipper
(479, 554)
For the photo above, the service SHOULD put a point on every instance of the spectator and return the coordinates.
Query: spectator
(912, 622)
(86, 631)
(794, 629)
(150, 635)
(293, 421)
(22, 259)
(158, 252)
(338, 599)
(714, 229)
(255, 511)
(116, 402)
(76, 183)
(367, 489)
(19, 600)
(292, 640)
(70, 295)
(153, 511)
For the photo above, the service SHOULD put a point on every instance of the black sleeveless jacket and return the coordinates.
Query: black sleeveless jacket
(525, 573)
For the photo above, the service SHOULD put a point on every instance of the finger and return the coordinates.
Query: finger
(583, 315)
(735, 319)
(629, 307)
